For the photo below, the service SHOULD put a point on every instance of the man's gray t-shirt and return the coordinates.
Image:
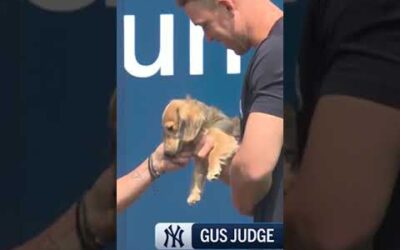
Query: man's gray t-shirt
(263, 92)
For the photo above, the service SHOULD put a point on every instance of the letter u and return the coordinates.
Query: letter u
(165, 60)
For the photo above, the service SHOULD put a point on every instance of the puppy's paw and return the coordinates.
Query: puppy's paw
(214, 175)
(193, 198)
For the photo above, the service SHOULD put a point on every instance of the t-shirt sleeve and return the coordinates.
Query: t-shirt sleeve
(267, 78)
(364, 57)
(364, 77)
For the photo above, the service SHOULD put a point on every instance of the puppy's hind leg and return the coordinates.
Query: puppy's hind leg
(199, 178)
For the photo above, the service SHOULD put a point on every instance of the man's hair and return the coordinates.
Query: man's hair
(182, 3)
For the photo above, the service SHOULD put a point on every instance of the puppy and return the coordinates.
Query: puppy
(184, 122)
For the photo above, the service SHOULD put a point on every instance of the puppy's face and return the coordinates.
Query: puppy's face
(182, 121)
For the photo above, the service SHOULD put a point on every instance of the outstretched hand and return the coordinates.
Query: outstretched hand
(164, 163)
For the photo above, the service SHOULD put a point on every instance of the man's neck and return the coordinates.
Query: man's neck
(263, 18)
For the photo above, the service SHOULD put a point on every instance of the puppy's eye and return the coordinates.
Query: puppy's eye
(170, 128)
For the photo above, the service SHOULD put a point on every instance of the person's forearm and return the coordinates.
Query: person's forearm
(299, 237)
(304, 232)
(132, 185)
(255, 160)
(61, 235)
(249, 183)
(247, 191)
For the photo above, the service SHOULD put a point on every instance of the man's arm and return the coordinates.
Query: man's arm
(61, 235)
(99, 213)
(252, 166)
(132, 185)
(350, 165)
(249, 174)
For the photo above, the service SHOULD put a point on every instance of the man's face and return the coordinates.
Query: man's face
(218, 24)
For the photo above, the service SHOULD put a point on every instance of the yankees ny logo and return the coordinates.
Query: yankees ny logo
(175, 235)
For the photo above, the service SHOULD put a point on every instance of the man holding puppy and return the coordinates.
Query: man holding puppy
(240, 26)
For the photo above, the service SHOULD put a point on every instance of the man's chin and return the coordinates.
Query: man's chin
(240, 52)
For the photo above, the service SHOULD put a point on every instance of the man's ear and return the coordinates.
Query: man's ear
(191, 120)
(229, 5)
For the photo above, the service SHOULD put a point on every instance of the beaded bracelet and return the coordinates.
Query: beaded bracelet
(155, 174)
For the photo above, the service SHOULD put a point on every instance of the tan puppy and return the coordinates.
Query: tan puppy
(184, 122)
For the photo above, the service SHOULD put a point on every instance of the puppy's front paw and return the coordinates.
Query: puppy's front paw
(214, 175)
(193, 198)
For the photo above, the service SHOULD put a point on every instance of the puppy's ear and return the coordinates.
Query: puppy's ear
(170, 110)
(192, 118)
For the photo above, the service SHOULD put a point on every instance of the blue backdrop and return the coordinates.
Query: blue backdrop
(142, 97)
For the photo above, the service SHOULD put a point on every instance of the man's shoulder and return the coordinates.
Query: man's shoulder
(272, 47)
(275, 37)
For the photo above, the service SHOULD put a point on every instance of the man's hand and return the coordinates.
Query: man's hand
(204, 147)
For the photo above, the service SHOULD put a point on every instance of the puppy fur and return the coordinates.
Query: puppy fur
(184, 122)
